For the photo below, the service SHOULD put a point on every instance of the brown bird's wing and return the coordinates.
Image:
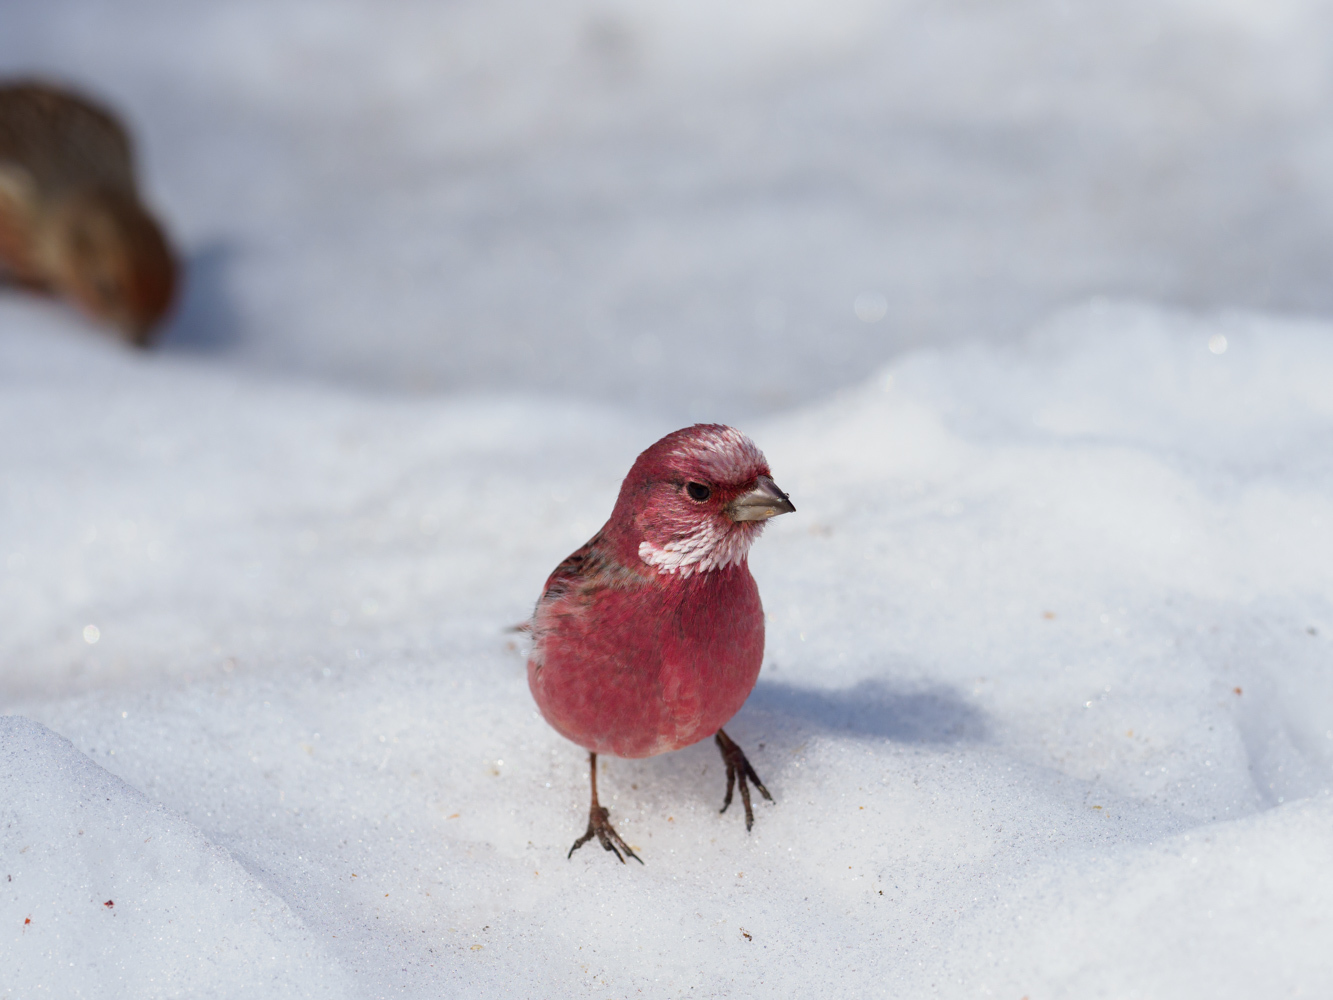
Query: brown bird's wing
(63, 141)
(17, 212)
(70, 216)
(571, 591)
(580, 577)
(588, 569)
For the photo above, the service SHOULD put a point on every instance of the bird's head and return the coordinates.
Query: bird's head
(696, 500)
(110, 257)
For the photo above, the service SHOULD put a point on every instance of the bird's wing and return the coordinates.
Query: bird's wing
(64, 141)
(584, 573)
(17, 207)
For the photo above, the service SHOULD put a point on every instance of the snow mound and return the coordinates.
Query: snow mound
(1045, 706)
(108, 895)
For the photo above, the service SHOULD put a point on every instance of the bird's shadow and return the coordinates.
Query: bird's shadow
(206, 320)
(874, 709)
(779, 718)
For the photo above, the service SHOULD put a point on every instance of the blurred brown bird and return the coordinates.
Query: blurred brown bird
(71, 223)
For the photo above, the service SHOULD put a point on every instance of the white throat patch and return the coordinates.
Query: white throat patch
(707, 548)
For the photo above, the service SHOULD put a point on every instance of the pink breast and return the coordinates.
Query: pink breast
(644, 671)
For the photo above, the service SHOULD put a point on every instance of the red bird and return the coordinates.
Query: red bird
(650, 637)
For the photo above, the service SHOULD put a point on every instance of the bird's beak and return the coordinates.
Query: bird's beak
(761, 503)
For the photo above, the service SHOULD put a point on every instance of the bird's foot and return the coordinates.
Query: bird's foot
(739, 770)
(599, 826)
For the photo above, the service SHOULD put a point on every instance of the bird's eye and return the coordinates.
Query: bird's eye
(698, 491)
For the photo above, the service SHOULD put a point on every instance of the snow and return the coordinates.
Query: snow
(1046, 708)
(676, 207)
(74, 833)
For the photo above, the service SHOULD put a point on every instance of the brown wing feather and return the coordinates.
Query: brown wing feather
(573, 584)
(62, 140)
(590, 568)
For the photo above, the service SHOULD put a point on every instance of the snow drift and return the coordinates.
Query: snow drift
(1045, 707)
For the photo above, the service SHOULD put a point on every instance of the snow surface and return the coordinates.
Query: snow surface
(1047, 707)
(77, 833)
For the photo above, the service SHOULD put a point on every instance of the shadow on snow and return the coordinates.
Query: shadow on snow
(205, 319)
(875, 709)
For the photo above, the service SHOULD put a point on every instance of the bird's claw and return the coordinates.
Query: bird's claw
(599, 826)
(738, 770)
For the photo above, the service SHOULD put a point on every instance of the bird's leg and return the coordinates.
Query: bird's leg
(739, 769)
(599, 823)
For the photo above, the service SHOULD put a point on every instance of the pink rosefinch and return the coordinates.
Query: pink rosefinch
(71, 222)
(650, 637)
